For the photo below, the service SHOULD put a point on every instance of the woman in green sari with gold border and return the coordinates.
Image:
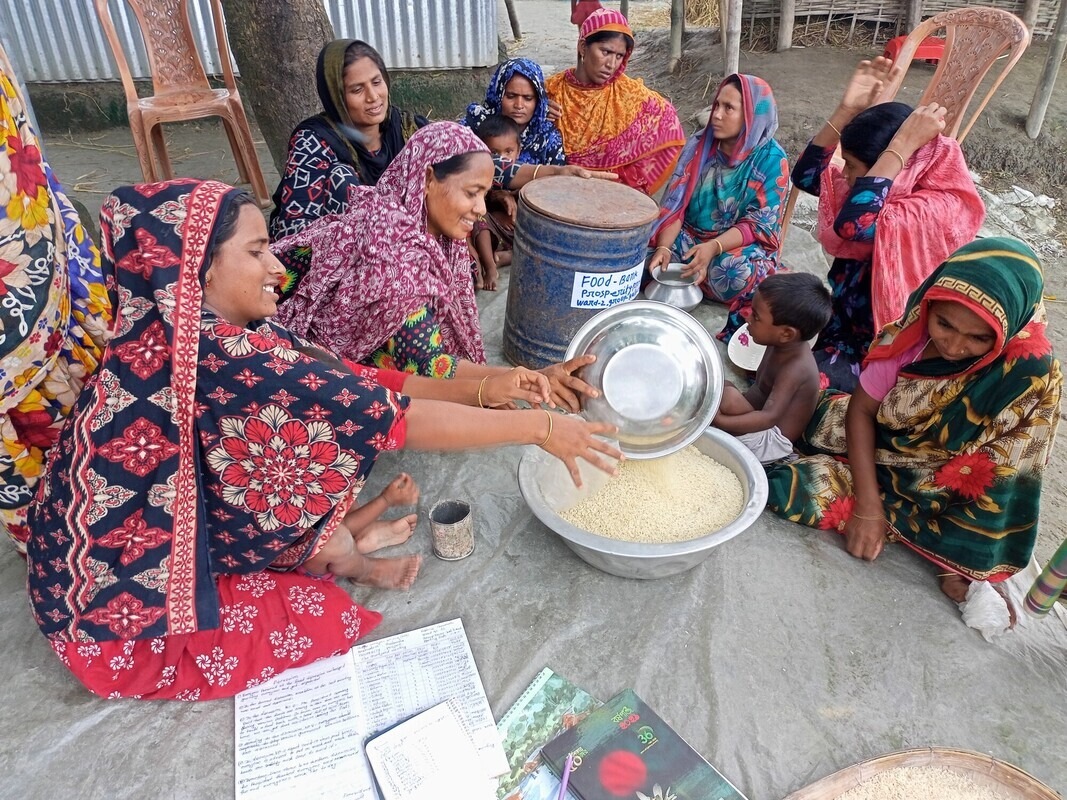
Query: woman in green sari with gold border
(943, 444)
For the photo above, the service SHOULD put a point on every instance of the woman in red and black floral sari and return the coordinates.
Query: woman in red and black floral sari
(191, 520)
(949, 431)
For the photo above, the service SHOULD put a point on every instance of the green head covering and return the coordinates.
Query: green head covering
(998, 278)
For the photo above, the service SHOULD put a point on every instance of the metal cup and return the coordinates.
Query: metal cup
(452, 529)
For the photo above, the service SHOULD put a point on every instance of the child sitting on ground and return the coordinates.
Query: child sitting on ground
(370, 533)
(788, 309)
(494, 233)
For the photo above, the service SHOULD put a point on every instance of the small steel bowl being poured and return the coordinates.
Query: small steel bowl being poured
(668, 286)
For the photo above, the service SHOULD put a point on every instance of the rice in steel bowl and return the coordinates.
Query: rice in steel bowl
(670, 499)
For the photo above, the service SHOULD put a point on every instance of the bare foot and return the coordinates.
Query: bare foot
(955, 586)
(388, 573)
(385, 533)
(476, 274)
(503, 258)
(489, 279)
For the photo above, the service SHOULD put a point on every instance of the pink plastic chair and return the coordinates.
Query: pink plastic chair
(180, 88)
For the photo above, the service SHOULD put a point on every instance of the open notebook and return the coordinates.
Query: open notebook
(302, 734)
(428, 757)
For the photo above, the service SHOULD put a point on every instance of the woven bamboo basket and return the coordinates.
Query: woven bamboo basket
(984, 770)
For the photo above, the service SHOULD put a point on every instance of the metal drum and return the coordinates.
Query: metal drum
(579, 248)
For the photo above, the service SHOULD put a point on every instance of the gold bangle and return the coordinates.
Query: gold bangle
(903, 163)
(549, 436)
(663, 247)
(720, 248)
(833, 127)
(535, 171)
(480, 387)
(880, 517)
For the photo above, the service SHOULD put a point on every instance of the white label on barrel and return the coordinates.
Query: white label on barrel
(606, 289)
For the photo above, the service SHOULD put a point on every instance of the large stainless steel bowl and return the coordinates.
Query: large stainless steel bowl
(639, 560)
(659, 375)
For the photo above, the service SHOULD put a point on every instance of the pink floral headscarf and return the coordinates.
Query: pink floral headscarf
(376, 264)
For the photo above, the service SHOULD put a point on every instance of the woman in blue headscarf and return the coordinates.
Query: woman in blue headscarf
(722, 210)
(517, 90)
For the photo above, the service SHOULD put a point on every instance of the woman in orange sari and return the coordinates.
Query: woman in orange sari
(609, 120)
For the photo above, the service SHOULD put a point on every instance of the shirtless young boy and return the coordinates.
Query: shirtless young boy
(362, 532)
(787, 310)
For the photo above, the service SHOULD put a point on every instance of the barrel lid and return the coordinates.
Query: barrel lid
(590, 203)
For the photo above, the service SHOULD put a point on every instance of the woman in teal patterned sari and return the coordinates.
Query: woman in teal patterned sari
(722, 212)
(948, 434)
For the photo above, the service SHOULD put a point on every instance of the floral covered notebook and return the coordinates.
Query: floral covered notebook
(550, 705)
(624, 750)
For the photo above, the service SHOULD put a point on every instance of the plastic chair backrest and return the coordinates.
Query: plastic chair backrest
(173, 59)
(975, 38)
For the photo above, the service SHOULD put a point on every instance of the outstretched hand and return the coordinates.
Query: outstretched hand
(866, 84)
(661, 257)
(572, 438)
(698, 258)
(554, 111)
(567, 388)
(582, 172)
(503, 389)
(401, 491)
(865, 538)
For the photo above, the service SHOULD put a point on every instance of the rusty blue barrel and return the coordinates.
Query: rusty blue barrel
(579, 248)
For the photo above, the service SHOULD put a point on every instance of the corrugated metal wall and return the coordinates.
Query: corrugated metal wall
(61, 40)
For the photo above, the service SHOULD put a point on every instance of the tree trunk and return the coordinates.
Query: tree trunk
(1036, 118)
(785, 24)
(914, 14)
(276, 46)
(1030, 12)
(678, 32)
(733, 36)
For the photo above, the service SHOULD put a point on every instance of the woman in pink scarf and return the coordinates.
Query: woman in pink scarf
(901, 204)
(388, 282)
(609, 120)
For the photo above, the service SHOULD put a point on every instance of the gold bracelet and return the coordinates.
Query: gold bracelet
(663, 247)
(720, 248)
(549, 436)
(480, 387)
(879, 518)
(903, 163)
(535, 171)
(833, 127)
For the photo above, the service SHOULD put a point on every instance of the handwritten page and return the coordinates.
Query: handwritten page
(302, 734)
(428, 757)
(411, 672)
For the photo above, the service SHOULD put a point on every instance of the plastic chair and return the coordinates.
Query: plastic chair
(181, 88)
(974, 39)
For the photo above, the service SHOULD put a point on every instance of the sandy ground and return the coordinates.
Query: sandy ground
(839, 661)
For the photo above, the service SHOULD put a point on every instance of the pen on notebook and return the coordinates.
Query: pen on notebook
(566, 777)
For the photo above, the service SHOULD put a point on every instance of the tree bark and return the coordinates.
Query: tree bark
(276, 46)
(677, 33)
(1047, 82)
(513, 18)
(785, 24)
(914, 14)
(733, 36)
(1030, 12)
